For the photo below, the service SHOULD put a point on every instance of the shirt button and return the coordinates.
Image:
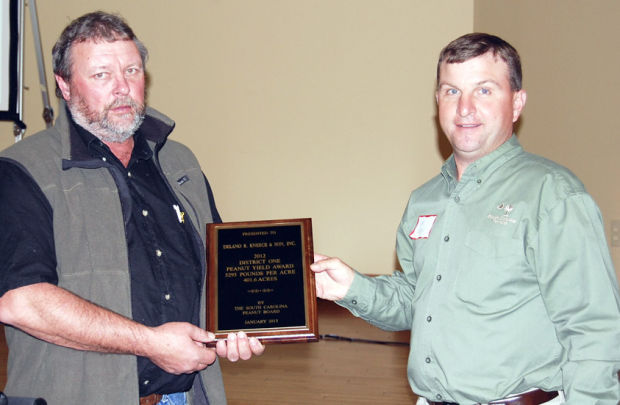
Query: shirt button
(438, 277)
(146, 382)
(438, 396)
(479, 181)
(429, 318)
(104, 159)
(167, 297)
(446, 238)
(457, 199)
(427, 360)
(128, 174)
(354, 302)
(145, 213)
(158, 253)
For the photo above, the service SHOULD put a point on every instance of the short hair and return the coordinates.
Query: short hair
(476, 44)
(96, 26)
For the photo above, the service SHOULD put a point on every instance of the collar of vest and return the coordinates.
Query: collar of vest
(155, 128)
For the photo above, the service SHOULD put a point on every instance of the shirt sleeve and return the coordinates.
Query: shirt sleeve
(27, 254)
(580, 290)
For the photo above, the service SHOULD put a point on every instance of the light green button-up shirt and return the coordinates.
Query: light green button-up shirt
(507, 285)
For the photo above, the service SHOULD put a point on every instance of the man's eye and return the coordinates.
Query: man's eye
(99, 75)
(485, 91)
(452, 92)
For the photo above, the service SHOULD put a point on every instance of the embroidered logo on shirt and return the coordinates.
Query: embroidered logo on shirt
(423, 228)
(504, 219)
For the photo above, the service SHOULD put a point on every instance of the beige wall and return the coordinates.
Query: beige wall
(320, 109)
(570, 55)
(325, 109)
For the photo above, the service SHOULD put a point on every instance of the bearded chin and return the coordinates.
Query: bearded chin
(100, 124)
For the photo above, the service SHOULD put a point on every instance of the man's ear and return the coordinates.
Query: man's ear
(64, 87)
(518, 103)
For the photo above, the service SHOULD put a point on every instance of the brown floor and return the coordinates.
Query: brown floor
(325, 372)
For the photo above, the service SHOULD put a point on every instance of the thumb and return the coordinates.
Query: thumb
(201, 335)
(318, 257)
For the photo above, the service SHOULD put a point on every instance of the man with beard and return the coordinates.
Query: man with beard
(102, 244)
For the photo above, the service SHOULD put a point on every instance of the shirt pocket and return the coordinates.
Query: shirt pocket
(493, 274)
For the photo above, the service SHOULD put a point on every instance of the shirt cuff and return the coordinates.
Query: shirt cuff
(358, 297)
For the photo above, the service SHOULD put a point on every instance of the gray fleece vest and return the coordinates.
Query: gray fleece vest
(91, 251)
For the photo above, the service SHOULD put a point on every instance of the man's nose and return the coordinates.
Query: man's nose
(121, 85)
(466, 105)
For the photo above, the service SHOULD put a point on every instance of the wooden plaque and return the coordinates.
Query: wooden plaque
(259, 280)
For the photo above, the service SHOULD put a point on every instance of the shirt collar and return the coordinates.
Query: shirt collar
(86, 146)
(485, 164)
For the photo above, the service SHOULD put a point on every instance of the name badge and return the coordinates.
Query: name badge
(423, 228)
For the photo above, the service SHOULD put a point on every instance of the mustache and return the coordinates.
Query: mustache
(125, 101)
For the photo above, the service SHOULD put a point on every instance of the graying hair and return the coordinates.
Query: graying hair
(96, 26)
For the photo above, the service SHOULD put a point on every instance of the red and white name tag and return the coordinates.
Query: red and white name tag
(424, 226)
